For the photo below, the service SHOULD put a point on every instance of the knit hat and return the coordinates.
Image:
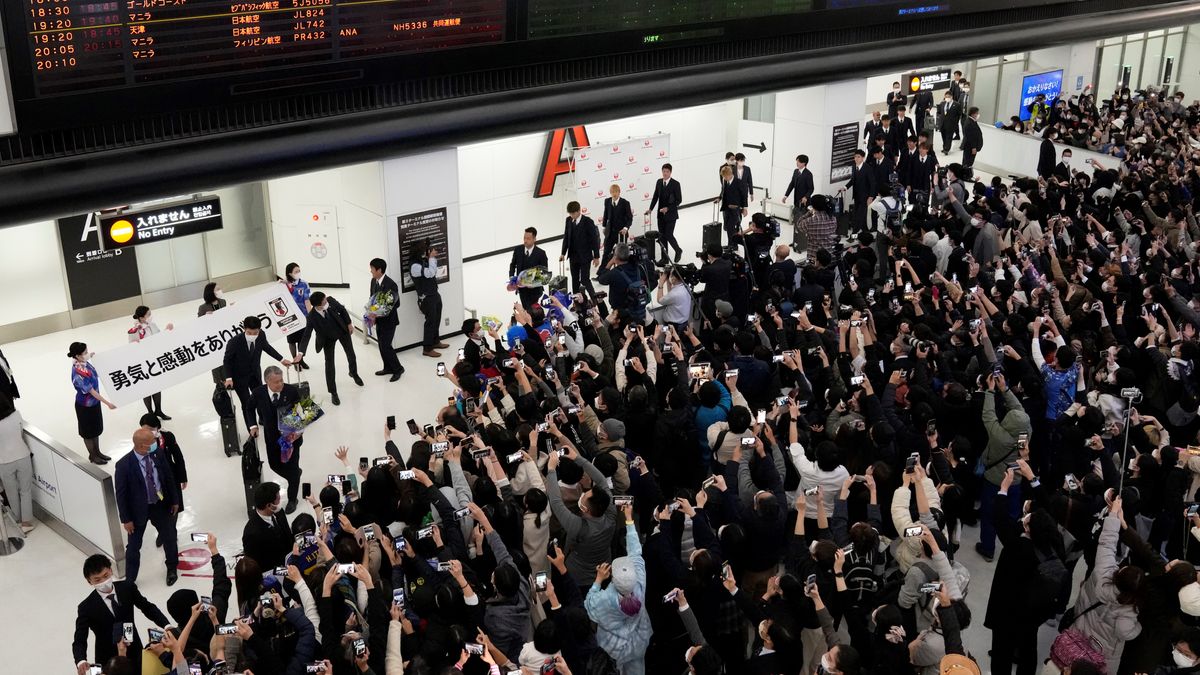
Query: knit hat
(1119, 123)
(614, 429)
(532, 659)
(624, 575)
(1189, 599)
(595, 352)
(957, 664)
(724, 309)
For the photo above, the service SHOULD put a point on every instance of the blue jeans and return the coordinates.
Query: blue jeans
(987, 497)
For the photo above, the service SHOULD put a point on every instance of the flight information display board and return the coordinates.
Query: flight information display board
(89, 44)
(556, 18)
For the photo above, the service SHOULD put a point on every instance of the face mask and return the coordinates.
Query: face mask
(824, 667)
(1182, 660)
(146, 318)
(324, 307)
(105, 587)
(153, 447)
(219, 293)
(295, 276)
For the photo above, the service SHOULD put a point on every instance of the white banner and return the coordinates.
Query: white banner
(633, 164)
(138, 369)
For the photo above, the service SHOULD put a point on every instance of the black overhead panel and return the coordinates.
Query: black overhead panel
(197, 113)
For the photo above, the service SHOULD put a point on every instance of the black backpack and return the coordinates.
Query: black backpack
(1051, 585)
(637, 295)
(891, 216)
(862, 583)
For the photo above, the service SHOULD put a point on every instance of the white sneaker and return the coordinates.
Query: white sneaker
(28, 528)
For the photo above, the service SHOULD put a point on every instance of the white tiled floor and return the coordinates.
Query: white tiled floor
(40, 585)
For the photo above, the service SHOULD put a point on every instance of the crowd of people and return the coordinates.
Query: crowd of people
(766, 464)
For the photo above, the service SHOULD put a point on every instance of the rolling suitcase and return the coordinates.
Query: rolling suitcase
(251, 472)
(230, 441)
(712, 232)
(305, 389)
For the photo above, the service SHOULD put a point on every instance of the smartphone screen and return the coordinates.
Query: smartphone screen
(200, 537)
(363, 463)
(762, 416)
(441, 369)
(413, 428)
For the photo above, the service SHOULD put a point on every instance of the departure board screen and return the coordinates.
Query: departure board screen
(558, 18)
(78, 45)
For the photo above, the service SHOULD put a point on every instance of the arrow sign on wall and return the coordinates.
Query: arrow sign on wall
(761, 147)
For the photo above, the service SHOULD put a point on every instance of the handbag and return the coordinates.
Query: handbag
(1072, 646)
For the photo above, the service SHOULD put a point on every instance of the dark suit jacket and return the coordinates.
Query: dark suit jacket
(801, 184)
(895, 99)
(6, 385)
(132, 505)
(386, 283)
(862, 183)
(1062, 171)
(869, 129)
(972, 136)
(901, 132)
(265, 413)
(670, 197)
(267, 545)
(922, 102)
(948, 115)
(1047, 153)
(920, 175)
(244, 365)
(616, 218)
(329, 328)
(582, 241)
(747, 179)
(93, 614)
(520, 261)
(176, 460)
(734, 193)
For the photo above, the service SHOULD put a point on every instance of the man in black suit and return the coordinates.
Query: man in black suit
(329, 319)
(801, 183)
(862, 189)
(581, 244)
(904, 163)
(617, 219)
(955, 92)
(385, 326)
(895, 99)
(527, 256)
(948, 114)
(1062, 171)
(1046, 153)
(972, 141)
(268, 400)
(147, 492)
(742, 174)
(8, 382)
(476, 347)
(920, 175)
(667, 196)
(902, 129)
(266, 538)
(871, 127)
(104, 612)
(243, 358)
(733, 203)
(424, 274)
(922, 103)
(882, 165)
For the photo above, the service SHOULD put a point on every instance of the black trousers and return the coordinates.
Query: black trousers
(529, 296)
(858, 218)
(431, 307)
(1015, 643)
(289, 471)
(949, 133)
(968, 160)
(733, 222)
(385, 333)
(243, 394)
(159, 516)
(666, 235)
(581, 279)
(330, 350)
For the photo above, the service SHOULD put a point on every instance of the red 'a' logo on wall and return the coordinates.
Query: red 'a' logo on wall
(553, 164)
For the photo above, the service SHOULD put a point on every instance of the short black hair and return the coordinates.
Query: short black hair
(973, 111)
(803, 159)
(573, 207)
(95, 564)
(252, 323)
(150, 420)
(860, 153)
(740, 157)
(468, 325)
(379, 264)
(531, 230)
(317, 298)
(668, 166)
(265, 494)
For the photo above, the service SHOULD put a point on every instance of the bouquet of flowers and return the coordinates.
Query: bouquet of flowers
(533, 277)
(380, 304)
(293, 423)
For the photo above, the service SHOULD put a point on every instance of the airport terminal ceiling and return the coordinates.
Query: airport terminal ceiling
(152, 80)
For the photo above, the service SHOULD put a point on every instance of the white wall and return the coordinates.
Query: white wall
(30, 267)
(1187, 73)
(355, 193)
(804, 119)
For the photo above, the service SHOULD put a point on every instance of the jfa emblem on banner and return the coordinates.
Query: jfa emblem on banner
(279, 307)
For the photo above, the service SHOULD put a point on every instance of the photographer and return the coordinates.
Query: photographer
(672, 299)
(818, 225)
(715, 275)
(626, 288)
(758, 239)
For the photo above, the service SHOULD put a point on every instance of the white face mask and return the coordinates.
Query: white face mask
(826, 666)
(296, 275)
(1182, 660)
(219, 293)
(104, 587)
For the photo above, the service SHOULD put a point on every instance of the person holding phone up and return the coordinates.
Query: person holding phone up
(424, 272)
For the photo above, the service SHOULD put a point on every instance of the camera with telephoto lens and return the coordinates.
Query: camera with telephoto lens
(913, 342)
(689, 274)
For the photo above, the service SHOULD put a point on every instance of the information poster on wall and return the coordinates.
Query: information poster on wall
(138, 369)
(841, 155)
(424, 226)
(633, 165)
(95, 276)
(1049, 84)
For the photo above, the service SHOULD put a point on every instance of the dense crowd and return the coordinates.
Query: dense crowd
(773, 475)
